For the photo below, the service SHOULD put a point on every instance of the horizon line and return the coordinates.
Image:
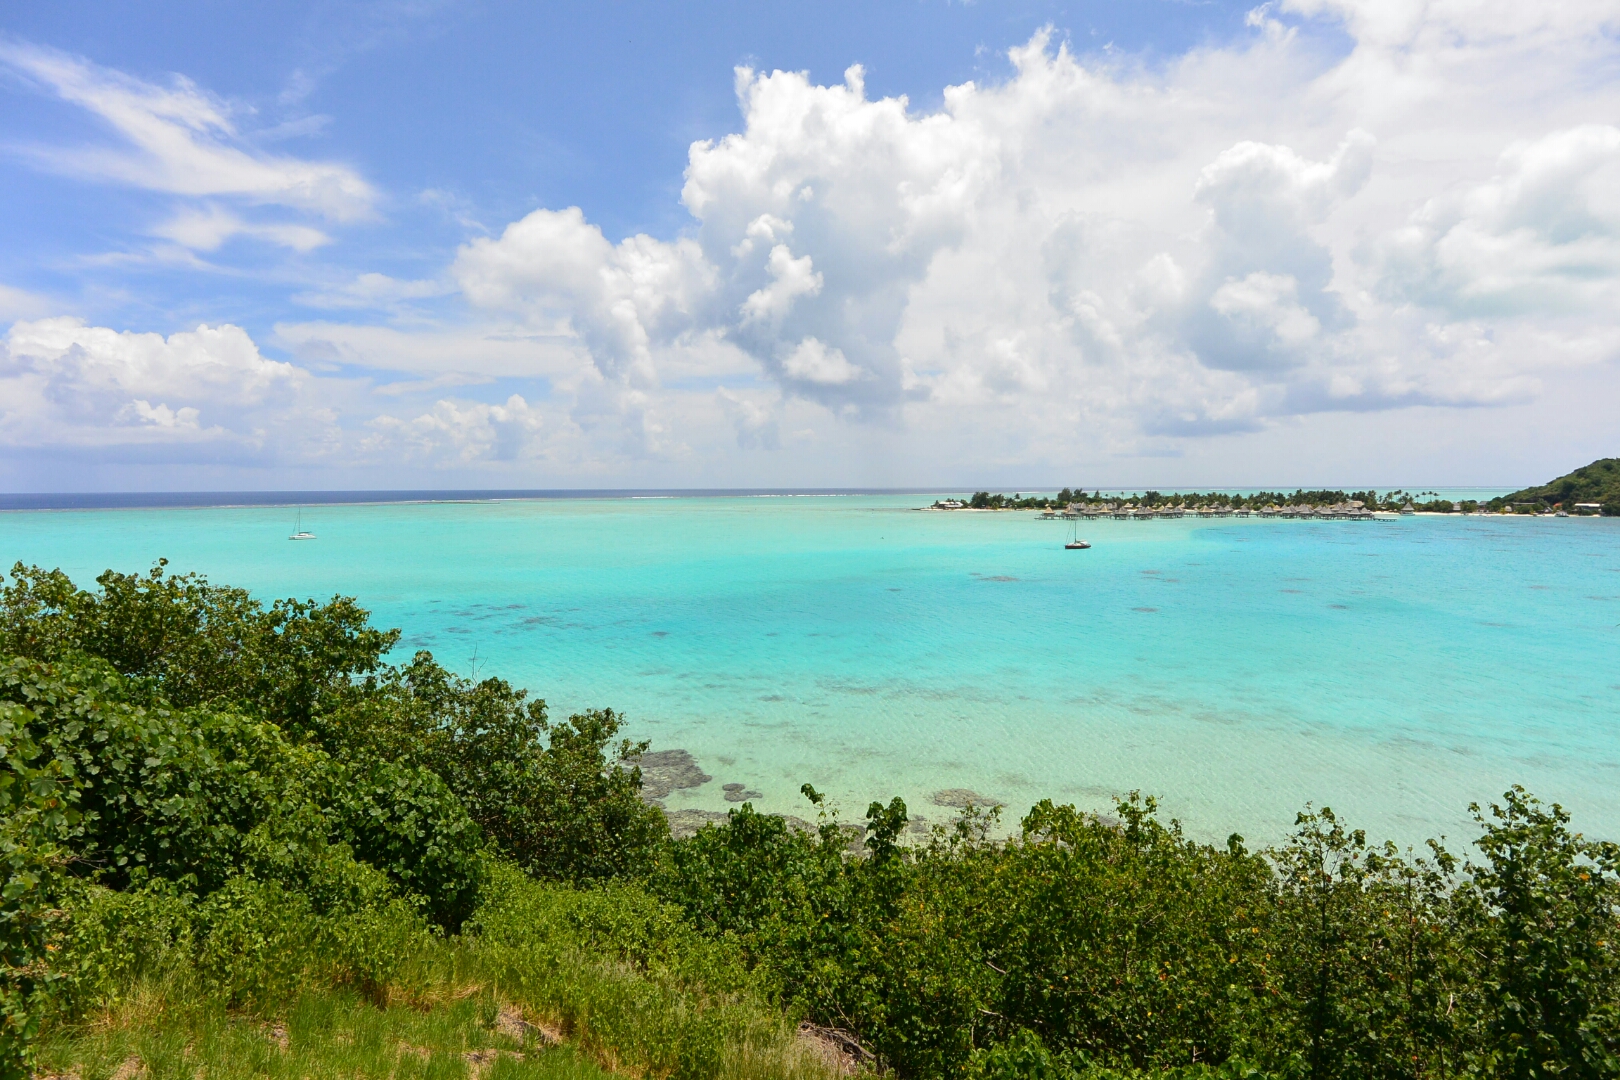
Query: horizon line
(226, 499)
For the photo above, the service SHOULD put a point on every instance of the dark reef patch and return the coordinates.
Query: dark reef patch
(664, 771)
(960, 798)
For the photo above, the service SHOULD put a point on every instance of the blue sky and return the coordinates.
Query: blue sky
(1162, 242)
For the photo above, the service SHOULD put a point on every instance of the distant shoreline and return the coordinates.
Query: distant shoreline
(1378, 515)
(1333, 503)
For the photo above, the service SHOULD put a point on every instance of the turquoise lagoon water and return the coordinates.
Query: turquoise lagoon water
(1237, 669)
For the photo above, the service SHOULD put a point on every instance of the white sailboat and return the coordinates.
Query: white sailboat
(298, 529)
(1075, 543)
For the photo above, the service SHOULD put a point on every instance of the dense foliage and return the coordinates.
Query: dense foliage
(256, 793)
(1089, 944)
(165, 736)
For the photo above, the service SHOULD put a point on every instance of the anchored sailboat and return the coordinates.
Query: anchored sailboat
(1075, 543)
(298, 529)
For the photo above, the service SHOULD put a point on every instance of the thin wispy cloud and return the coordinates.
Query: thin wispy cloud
(180, 140)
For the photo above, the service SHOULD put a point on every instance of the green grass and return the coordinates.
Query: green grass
(332, 1033)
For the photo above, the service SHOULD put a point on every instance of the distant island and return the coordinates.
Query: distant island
(1214, 503)
(1590, 490)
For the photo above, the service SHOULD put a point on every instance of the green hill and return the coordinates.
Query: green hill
(1598, 482)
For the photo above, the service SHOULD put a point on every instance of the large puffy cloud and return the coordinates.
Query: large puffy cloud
(1120, 255)
(621, 300)
(1267, 280)
(814, 224)
(824, 213)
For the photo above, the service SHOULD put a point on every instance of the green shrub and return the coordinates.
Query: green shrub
(161, 793)
(254, 941)
(619, 922)
(117, 939)
(39, 819)
(218, 706)
(257, 943)
(556, 798)
(404, 820)
(1361, 971)
(251, 943)
(182, 640)
(1540, 914)
(194, 796)
(1099, 947)
(1116, 940)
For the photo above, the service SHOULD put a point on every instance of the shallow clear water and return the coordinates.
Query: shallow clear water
(1238, 669)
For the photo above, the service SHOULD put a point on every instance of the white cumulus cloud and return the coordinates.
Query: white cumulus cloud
(66, 383)
(790, 279)
(621, 298)
(462, 431)
(814, 362)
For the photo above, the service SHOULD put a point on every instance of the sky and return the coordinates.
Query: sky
(891, 243)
